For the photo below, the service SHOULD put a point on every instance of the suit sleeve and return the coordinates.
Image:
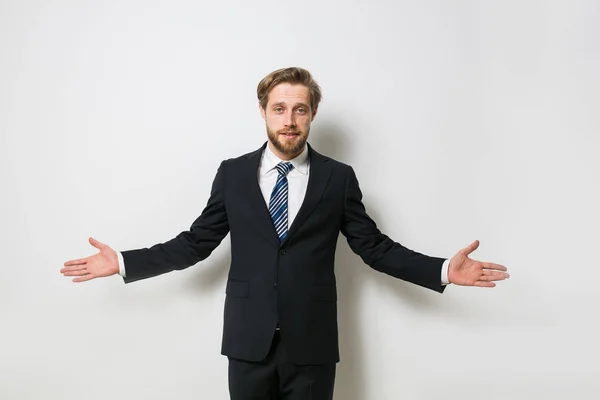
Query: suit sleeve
(379, 251)
(187, 248)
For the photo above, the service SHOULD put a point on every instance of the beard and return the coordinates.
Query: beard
(291, 147)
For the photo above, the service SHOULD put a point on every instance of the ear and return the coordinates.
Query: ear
(314, 114)
(262, 112)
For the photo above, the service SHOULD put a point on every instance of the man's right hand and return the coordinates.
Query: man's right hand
(103, 264)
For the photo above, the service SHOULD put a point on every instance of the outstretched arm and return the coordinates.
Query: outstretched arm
(383, 254)
(187, 248)
(379, 251)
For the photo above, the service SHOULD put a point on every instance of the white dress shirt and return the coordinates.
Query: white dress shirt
(297, 185)
(297, 180)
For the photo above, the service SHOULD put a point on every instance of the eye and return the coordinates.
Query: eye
(301, 110)
(278, 109)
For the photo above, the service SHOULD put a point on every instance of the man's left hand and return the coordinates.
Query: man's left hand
(465, 271)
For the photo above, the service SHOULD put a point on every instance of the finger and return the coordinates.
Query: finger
(80, 272)
(96, 243)
(84, 278)
(471, 248)
(74, 268)
(493, 266)
(484, 284)
(79, 261)
(494, 276)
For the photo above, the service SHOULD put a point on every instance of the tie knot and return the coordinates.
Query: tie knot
(284, 168)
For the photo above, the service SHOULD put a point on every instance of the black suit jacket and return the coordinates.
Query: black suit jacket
(291, 283)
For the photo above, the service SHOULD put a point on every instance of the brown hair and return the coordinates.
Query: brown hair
(292, 75)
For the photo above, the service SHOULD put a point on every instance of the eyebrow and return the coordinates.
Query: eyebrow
(281, 103)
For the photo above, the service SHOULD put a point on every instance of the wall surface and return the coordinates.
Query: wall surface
(463, 120)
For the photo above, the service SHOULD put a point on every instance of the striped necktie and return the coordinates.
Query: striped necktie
(278, 205)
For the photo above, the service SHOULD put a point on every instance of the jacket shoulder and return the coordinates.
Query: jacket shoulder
(335, 164)
(244, 157)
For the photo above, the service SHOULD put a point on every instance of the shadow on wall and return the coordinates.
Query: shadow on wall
(351, 273)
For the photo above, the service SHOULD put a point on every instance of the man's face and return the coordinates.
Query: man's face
(288, 117)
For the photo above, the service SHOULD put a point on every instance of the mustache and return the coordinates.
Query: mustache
(294, 131)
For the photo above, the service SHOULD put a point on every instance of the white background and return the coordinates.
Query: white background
(464, 120)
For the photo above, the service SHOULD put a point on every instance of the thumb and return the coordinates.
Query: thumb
(471, 248)
(96, 243)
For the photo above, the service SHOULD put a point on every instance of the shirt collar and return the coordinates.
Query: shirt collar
(300, 162)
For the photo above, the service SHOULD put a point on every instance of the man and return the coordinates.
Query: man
(284, 206)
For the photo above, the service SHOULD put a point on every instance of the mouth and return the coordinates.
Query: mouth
(289, 134)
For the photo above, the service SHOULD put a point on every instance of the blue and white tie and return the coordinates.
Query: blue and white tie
(278, 205)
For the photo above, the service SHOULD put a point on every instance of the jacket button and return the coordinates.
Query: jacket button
(282, 252)
(275, 285)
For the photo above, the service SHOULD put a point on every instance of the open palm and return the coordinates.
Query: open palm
(104, 263)
(468, 272)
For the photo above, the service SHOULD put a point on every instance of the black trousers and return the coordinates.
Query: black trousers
(276, 378)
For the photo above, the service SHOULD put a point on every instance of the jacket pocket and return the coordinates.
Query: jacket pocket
(325, 293)
(237, 288)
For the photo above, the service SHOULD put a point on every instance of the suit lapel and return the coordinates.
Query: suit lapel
(255, 197)
(318, 178)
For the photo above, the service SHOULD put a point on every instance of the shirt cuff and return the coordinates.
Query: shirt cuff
(121, 264)
(445, 265)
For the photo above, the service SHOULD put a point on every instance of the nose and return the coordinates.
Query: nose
(289, 119)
